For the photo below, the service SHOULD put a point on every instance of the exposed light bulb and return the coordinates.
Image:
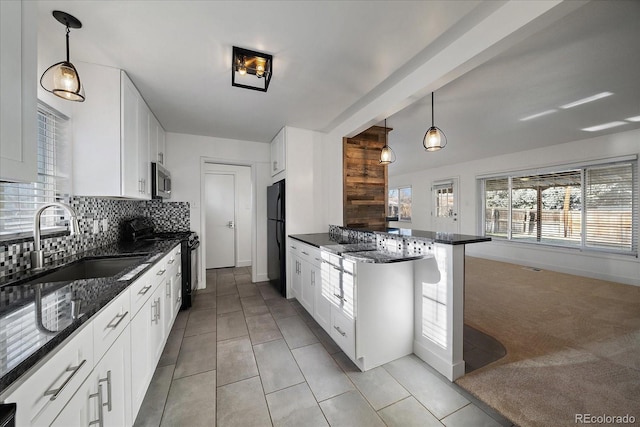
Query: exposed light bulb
(242, 70)
(260, 63)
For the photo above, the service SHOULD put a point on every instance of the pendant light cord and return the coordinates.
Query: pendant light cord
(68, 31)
(432, 121)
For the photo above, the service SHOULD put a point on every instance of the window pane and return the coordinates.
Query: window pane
(404, 213)
(496, 207)
(444, 200)
(19, 201)
(609, 207)
(546, 208)
(392, 207)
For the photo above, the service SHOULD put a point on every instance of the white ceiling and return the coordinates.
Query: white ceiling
(328, 55)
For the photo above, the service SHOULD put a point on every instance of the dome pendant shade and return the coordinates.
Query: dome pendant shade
(387, 156)
(62, 79)
(434, 139)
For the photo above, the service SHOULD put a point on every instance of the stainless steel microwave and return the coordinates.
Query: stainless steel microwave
(160, 182)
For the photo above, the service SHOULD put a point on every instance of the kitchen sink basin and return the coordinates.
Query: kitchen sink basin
(91, 268)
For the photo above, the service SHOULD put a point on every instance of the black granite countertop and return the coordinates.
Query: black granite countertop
(69, 304)
(436, 236)
(320, 239)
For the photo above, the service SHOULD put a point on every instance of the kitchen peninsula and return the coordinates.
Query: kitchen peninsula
(383, 294)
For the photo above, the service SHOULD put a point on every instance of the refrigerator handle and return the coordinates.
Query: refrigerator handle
(278, 213)
(278, 235)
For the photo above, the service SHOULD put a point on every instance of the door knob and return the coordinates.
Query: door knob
(231, 224)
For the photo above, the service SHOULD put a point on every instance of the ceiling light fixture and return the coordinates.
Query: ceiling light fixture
(251, 69)
(434, 139)
(587, 99)
(62, 79)
(387, 156)
(604, 126)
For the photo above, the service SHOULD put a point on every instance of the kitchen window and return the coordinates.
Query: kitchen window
(399, 204)
(19, 201)
(588, 207)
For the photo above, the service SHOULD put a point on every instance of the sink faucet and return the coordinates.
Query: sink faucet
(37, 256)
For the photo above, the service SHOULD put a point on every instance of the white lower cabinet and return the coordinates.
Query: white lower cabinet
(104, 399)
(306, 273)
(147, 342)
(42, 396)
(101, 374)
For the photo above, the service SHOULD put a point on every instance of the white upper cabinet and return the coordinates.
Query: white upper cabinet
(111, 148)
(278, 148)
(157, 140)
(18, 85)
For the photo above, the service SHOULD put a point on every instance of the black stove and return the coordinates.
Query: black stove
(141, 231)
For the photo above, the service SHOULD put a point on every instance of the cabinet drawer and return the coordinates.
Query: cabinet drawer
(109, 324)
(43, 395)
(141, 289)
(343, 332)
(311, 254)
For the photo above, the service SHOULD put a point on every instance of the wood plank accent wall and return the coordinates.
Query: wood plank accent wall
(365, 179)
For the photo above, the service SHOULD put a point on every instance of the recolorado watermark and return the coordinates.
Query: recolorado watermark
(604, 419)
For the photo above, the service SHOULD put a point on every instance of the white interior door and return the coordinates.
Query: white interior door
(445, 206)
(220, 220)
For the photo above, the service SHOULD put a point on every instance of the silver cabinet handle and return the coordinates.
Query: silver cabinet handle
(340, 331)
(120, 318)
(154, 311)
(54, 393)
(293, 247)
(305, 253)
(144, 290)
(178, 253)
(161, 272)
(179, 274)
(171, 261)
(169, 289)
(100, 420)
(275, 165)
(108, 380)
(318, 259)
(313, 278)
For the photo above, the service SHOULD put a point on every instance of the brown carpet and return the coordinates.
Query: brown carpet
(573, 344)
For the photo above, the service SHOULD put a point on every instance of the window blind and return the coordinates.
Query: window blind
(591, 207)
(19, 201)
(609, 207)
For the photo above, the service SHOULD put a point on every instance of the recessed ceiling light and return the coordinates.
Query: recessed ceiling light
(633, 119)
(604, 126)
(588, 99)
(535, 116)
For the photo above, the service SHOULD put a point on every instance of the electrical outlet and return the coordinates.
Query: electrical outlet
(96, 226)
(105, 225)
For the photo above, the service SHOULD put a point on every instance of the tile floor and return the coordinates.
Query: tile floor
(244, 356)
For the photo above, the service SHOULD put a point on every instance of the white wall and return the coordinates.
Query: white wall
(186, 157)
(243, 208)
(619, 268)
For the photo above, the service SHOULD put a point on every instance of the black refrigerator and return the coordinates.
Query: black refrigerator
(276, 238)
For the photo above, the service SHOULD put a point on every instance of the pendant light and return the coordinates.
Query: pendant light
(62, 79)
(434, 139)
(387, 155)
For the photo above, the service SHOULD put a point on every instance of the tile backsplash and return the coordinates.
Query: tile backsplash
(167, 216)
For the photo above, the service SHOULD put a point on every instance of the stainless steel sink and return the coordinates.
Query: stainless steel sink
(90, 269)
